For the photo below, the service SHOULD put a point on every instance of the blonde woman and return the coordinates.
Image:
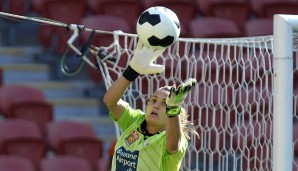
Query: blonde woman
(154, 140)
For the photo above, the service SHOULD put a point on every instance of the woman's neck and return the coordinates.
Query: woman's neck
(153, 129)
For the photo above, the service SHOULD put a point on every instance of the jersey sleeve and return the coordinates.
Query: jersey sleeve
(128, 117)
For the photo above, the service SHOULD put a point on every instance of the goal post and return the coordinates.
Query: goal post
(284, 28)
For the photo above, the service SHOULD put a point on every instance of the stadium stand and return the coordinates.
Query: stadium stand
(236, 10)
(75, 138)
(65, 163)
(267, 8)
(213, 27)
(55, 37)
(126, 9)
(22, 138)
(25, 102)
(258, 27)
(16, 163)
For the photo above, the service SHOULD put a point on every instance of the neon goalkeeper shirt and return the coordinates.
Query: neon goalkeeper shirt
(133, 153)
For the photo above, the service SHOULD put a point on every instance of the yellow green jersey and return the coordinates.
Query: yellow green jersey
(136, 152)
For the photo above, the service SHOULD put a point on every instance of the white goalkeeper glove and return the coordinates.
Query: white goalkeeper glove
(142, 62)
(176, 97)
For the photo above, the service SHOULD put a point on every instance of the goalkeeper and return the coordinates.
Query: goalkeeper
(157, 139)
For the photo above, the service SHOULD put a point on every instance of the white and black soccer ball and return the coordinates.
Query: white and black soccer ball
(158, 27)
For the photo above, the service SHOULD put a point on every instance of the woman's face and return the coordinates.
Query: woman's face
(156, 108)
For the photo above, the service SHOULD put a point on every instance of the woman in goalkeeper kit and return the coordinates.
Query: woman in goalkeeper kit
(154, 140)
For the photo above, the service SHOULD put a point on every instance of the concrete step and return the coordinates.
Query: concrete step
(18, 55)
(18, 73)
(76, 107)
(64, 89)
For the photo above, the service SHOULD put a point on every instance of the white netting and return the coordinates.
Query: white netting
(231, 104)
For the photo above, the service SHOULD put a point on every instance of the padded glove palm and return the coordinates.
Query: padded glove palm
(142, 62)
(176, 97)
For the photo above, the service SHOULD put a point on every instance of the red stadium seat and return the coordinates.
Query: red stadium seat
(126, 9)
(214, 27)
(267, 8)
(22, 138)
(179, 7)
(259, 27)
(10, 94)
(18, 7)
(15, 163)
(25, 102)
(75, 139)
(39, 112)
(1, 77)
(65, 163)
(66, 11)
(235, 10)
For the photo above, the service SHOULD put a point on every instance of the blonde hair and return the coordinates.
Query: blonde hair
(187, 125)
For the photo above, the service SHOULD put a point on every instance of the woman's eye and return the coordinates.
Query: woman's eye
(153, 100)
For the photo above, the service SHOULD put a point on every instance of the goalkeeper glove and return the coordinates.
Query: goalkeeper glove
(176, 97)
(142, 62)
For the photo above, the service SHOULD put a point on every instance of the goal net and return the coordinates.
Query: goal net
(231, 106)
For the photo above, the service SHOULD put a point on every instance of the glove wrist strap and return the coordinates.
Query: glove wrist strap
(130, 74)
(173, 111)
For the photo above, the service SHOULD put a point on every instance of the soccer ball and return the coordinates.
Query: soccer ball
(158, 27)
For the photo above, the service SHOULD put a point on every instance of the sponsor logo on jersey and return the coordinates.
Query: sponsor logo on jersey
(131, 138)
(126, 160)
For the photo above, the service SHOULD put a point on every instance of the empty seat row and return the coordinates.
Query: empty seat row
(23, 138)
(57, 163)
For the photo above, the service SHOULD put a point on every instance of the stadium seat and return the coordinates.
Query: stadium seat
(126, 9)
(22, 138)
(214, 27)
(65, 163)
(66, 11)
(252, 140)
(1, 77)
(267, 8)
(236, 10)
(10, 94)
(39, 112)
(259, 27)
(75, 138)
(104, 23)
(15, 163)
(179, 7)
(18, 7)
(25, 102)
